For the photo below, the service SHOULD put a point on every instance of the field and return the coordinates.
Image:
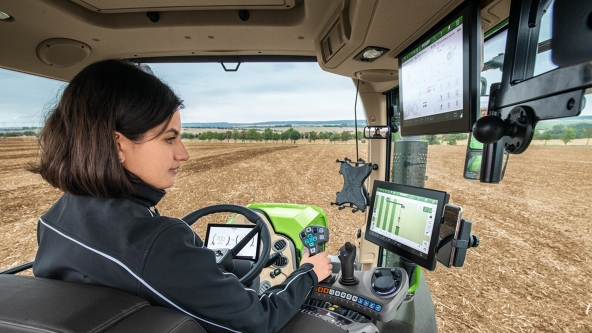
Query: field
(531, 272)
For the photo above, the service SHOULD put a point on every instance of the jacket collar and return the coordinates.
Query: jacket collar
(148, 195)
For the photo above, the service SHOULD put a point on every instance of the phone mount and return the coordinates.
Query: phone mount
(464, 241)
(354, 191)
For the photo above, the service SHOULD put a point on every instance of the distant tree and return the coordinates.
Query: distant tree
(313, 136)
(323, 136)
(345, 136)
(537, 135)
(431, 139)
(252, 134)
(276, 136)
(228, 135)
(295, 136)
(568, 135)
(285, 136)
(235, 135)
(588, 134)
(209, 135)
(187, 135)
(334, 137)
(450, 139)
(360, 136)
(546, 136)
(243, 135)
(220, 136)
(558, 129)
(267, 134)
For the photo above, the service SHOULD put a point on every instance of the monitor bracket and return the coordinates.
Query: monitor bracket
(354, 191)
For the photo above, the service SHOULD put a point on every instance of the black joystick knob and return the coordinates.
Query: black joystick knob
(347, 256)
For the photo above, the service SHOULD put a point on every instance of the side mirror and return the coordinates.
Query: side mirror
(474, 158)
(376, 132)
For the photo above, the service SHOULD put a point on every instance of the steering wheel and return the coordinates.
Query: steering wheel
(226, 260)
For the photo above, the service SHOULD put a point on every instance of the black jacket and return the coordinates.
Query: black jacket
(122, 244)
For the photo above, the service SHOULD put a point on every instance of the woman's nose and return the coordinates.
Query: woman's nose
(182, 154)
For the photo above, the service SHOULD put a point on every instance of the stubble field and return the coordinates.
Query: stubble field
(531, 272)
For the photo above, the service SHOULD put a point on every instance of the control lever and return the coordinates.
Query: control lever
(273, 258)
(347, 256)
(313, 237)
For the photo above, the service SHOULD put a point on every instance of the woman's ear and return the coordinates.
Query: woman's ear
(121, 143)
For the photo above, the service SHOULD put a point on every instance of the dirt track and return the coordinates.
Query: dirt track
(531, 272)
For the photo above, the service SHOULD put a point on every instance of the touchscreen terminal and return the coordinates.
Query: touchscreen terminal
(226, 236)
(405, 220)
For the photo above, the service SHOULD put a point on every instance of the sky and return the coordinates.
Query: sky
(256, 92)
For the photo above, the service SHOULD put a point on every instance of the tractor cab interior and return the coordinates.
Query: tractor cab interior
(385, 47)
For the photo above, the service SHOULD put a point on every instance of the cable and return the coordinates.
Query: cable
(356, 120)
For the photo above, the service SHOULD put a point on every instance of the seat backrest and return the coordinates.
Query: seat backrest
(30, 304)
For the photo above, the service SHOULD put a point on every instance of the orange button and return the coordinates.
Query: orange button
(325, 290)
(319, 289)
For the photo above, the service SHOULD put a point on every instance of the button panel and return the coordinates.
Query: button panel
(340, 315)
(354, 299)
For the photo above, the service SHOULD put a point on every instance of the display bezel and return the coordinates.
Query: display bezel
(243, 226)
(427, 261)
(471, 54)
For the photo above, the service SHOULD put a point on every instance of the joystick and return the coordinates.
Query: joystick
(313, 237)
(347, 256)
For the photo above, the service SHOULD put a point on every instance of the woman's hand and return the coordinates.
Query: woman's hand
(320, 261)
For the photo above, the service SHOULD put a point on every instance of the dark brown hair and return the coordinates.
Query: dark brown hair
(77, 143)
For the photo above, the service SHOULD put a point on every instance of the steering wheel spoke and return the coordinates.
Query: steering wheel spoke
(225, 257)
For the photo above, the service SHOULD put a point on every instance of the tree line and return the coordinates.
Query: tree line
(290, 135)
(17, 134)
(565, 133)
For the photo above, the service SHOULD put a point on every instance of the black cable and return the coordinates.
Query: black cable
(356, 120)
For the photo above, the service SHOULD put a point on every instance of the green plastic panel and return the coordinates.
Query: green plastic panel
(290, 219)
(416, 280)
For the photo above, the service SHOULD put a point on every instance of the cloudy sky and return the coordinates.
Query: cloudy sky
(256, 92)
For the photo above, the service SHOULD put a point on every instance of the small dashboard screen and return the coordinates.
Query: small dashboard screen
(226, 236)
(406, 220)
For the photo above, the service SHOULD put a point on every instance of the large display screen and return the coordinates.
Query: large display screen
(226, 236)
(438, 77)
(406, 220)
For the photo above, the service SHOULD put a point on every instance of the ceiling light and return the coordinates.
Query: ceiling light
(4, 16)
(370, 53)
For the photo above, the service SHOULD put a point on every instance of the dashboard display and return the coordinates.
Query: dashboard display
(226, 236)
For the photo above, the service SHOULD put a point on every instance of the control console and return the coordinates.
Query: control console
(378, 295)
(352, 299)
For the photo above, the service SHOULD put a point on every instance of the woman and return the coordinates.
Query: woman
(112, 145)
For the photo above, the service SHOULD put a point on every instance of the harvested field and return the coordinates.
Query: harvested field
(531, 272)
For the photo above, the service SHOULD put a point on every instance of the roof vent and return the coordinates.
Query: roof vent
(61, 52)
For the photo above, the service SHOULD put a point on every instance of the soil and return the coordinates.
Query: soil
(530, 273)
